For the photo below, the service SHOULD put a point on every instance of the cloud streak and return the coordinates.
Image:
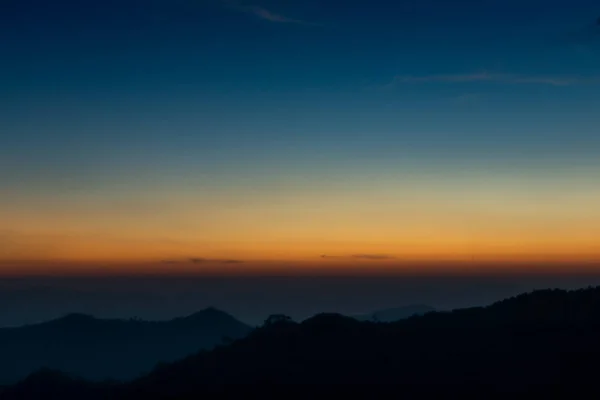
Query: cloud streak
(374, 257)
(201, 260)
(265, 14)
(514, 79)
(368, 257)
(271, 16)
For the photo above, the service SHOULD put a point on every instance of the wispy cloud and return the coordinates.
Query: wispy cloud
(370, 257)
(271, 16)
(201, 260)
(374, 257)
(328, 257)
(265, 14)
(496, 78)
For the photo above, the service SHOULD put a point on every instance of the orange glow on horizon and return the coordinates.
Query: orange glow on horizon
(442, 267)
(393, 223)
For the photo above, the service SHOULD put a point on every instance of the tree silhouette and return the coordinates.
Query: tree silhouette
(547, 337)
(277, 319)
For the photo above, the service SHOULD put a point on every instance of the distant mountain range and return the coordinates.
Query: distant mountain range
(101, 349)
(544, 340)
(395, 314)
(122, 349)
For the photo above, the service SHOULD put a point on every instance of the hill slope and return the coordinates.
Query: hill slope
(545, 337)
(112, 348)
(395, 314)
(542, 337)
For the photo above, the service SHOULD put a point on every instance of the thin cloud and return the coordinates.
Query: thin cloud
(374, 257)
(271, 16)
(265, 14)
(370, 257)
(496, 78)
(325, 256)
(200, 260)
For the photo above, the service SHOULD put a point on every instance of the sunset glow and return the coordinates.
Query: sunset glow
(134, 152)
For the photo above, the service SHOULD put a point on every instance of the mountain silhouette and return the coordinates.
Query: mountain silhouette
(544, 340)
(547, 336)
(110, 348)
(395, 314)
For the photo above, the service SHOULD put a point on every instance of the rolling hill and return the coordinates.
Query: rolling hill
(544, 341)
(395, 314)
(110, 348)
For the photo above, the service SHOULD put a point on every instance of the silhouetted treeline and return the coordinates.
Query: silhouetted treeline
(548, 338)
(395, 314)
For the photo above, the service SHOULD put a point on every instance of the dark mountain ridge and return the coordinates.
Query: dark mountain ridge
(110, 348)
(546, 339)
(395, 314)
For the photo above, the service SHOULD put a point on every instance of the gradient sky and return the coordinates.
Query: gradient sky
(138, 133)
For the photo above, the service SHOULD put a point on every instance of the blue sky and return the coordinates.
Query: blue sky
(126, 97)
(252, 75)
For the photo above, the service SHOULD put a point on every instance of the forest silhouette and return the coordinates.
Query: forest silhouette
(546, 338)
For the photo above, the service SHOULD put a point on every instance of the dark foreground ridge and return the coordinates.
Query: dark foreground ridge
(544, 337)
(100, 349)
(395, 314)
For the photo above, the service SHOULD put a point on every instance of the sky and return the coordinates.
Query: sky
(308, 136)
